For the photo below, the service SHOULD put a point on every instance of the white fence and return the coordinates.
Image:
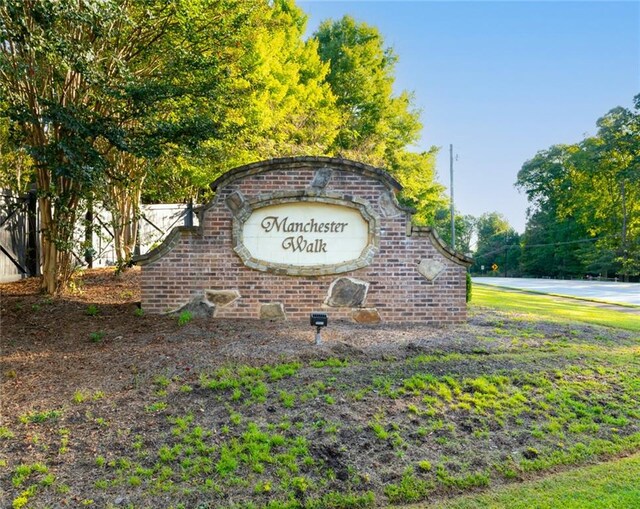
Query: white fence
(155, 223)
(19, 227)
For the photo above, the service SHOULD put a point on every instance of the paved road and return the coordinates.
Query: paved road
(623, 293)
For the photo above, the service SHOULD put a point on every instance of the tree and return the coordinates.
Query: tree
(16, 167)
(82, 79)
(288, 109)
(465, 227)
(417, 174)
(586, 201)
(375, 123)
(553, 239)
(606, 183)
(498, 243)
(377, 127)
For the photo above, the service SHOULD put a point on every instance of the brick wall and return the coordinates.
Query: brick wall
(193, 260)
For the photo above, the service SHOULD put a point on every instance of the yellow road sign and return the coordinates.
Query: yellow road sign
(494, 267)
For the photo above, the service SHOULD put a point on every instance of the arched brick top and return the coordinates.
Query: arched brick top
(286, 163)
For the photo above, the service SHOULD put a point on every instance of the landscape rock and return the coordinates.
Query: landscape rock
(366, 315)
(347, 292)
(321, 178)
(388, 206)
(221, 298)
(272, 311)
(199, 307)
(236, 202)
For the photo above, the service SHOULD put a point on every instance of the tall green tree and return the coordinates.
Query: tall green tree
(552, 242)
(375, 122)
(289, 108)
(377, 126)
(81, 79)
(585, 214)
(465, 228)
(16, 166)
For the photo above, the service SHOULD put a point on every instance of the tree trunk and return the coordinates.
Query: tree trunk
(49, 252)
(124, 191)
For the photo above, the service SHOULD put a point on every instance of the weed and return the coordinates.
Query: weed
(92, 310)
(39, 417)
(287, 399)
(6, 433)
(64, 441)
(96, 337)
(184, 318)
(156, 407)
(162, 381)
(333, 363)
(410, 489)
(21, 500)
(379, 430)
(79, 397)
(139, 312)
(23, 471)
(425, 466)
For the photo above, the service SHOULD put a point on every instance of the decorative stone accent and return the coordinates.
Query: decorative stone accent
(198, 307)
(272, 311)
(388, 206)
(321, 178)
(366, 315)
(347, 292)
(221, 298)
(237, 204)
(431, 269)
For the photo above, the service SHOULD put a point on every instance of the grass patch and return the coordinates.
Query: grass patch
(611, 484)
(550, 307)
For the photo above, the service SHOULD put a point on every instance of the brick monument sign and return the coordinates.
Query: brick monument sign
(286, 237)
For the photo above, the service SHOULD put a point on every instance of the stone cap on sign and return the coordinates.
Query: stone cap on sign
(438, 243)
(167, 244)
(285, 163)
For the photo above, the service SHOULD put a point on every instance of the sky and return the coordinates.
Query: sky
(503, 80)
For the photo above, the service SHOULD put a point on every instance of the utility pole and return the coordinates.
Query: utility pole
(453, 219)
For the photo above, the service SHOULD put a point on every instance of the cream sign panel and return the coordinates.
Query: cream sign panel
(305, 234)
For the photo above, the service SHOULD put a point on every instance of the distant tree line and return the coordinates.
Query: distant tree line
(122, 101)
(584, 214)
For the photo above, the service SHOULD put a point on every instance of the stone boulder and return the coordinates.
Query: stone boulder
(347, 292)
(272, 311)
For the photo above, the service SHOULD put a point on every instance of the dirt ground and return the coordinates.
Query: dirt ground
(48, 352)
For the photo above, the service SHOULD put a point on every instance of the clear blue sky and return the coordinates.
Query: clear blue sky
(503, 80)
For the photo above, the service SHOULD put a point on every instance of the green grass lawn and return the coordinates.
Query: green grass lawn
(552, 307)
(613, 484)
